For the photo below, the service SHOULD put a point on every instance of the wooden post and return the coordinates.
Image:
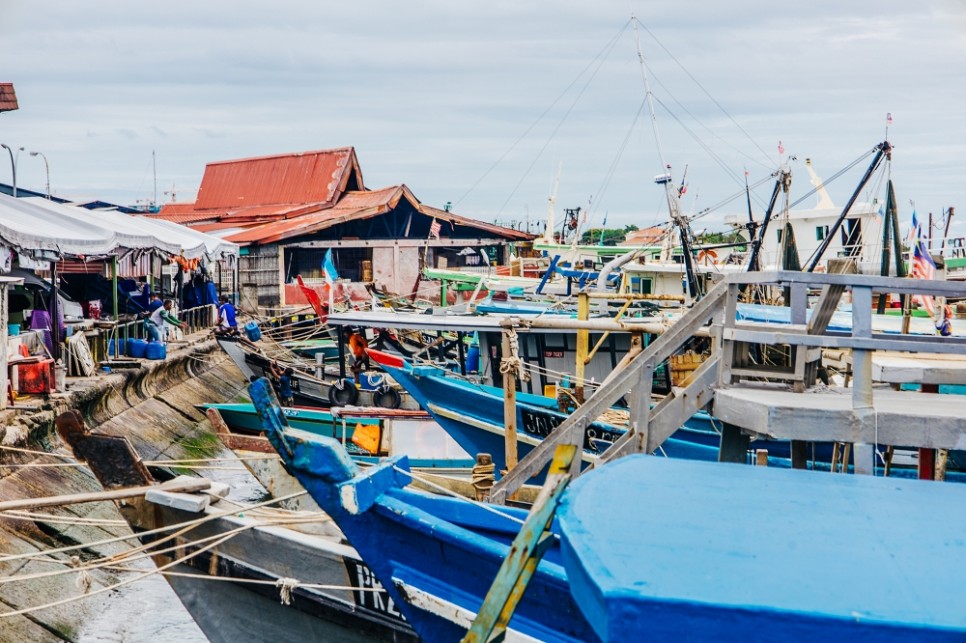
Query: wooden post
(927, 464)
(508, 367)
(583, 345)
(942, 460)
(927, 457)
(734, 444)
(799, 454)
(761, 457)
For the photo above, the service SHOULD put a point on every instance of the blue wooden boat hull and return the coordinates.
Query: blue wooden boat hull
(473, 415)
(726, 552)
(435, 556)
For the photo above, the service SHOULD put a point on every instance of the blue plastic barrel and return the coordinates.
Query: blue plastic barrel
(137, 348)
(156, 350)
(120, 348)
(473, 359)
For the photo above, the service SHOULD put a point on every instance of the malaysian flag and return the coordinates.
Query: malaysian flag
(923, 267)
(434, 229)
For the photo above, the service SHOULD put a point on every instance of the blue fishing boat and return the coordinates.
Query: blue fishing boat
(734, 553)
(436, 556)
(473, 415)
(721, 552)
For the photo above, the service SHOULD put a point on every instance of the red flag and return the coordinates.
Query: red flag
(434, 229)
(888, 118)
(781, 148)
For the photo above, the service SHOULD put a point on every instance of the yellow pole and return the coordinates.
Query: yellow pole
(583, 344)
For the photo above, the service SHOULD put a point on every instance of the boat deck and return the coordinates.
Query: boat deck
(920, 368)
(900, 418)
(754, 553)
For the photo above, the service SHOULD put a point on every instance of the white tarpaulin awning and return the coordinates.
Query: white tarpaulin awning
(214, 247)
(45, 233)
(131, 233)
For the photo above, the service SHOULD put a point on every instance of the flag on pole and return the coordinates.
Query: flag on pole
(888, 118)
(923, 267)
(328, 268)
(781, 148)
(434, 229)
(914, 232)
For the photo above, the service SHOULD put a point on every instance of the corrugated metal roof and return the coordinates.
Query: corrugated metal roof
(361, 205)
(456, 219)
(8, 98)
(287, 179)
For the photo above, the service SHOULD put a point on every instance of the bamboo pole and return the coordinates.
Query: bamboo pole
(508, 368)
(176, 485)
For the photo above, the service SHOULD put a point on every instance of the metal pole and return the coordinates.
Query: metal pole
(54, 310)
(46, 168)
(13, 167)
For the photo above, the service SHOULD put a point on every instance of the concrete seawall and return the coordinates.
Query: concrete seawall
(154, 407)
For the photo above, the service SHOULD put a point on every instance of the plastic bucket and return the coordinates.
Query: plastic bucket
(13, 329)
(137, 348)
(253, 332)
(156, 350)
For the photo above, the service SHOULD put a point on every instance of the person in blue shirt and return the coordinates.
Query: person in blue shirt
(283, 383)
(227, 323)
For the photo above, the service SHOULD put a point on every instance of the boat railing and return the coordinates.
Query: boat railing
(736, 355)
(198, 318)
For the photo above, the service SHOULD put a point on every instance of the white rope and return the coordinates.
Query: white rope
(285, 588)
(159, 530)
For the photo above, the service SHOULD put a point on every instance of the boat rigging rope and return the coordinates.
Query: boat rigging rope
(512, 364)
(449, 492)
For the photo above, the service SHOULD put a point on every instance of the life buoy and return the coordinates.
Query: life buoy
(386, 397)
(708, 256)
(343, 393)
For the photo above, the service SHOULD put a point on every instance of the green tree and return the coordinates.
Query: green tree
(612, 236)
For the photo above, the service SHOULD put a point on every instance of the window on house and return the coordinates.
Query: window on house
(821, 232)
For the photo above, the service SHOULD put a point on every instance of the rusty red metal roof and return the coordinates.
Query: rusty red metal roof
(353, 205)
(287, 179)
(360, 205)
(8, 98)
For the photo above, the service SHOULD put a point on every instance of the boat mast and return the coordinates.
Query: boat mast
(673, 195)
(883, 149)
(551, 204)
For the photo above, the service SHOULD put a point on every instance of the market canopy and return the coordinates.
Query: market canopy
(130, 233)
(214, 247)
(43, 233)
(42, 229)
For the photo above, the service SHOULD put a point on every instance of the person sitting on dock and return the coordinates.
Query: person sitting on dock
(358, 357)
(227, 323)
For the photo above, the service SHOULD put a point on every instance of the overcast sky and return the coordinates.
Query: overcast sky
(479, 103)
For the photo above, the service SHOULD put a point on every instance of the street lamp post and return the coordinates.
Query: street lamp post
(13, 165)
(46, 167)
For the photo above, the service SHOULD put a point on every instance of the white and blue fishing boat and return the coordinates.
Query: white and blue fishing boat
(660, 548)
